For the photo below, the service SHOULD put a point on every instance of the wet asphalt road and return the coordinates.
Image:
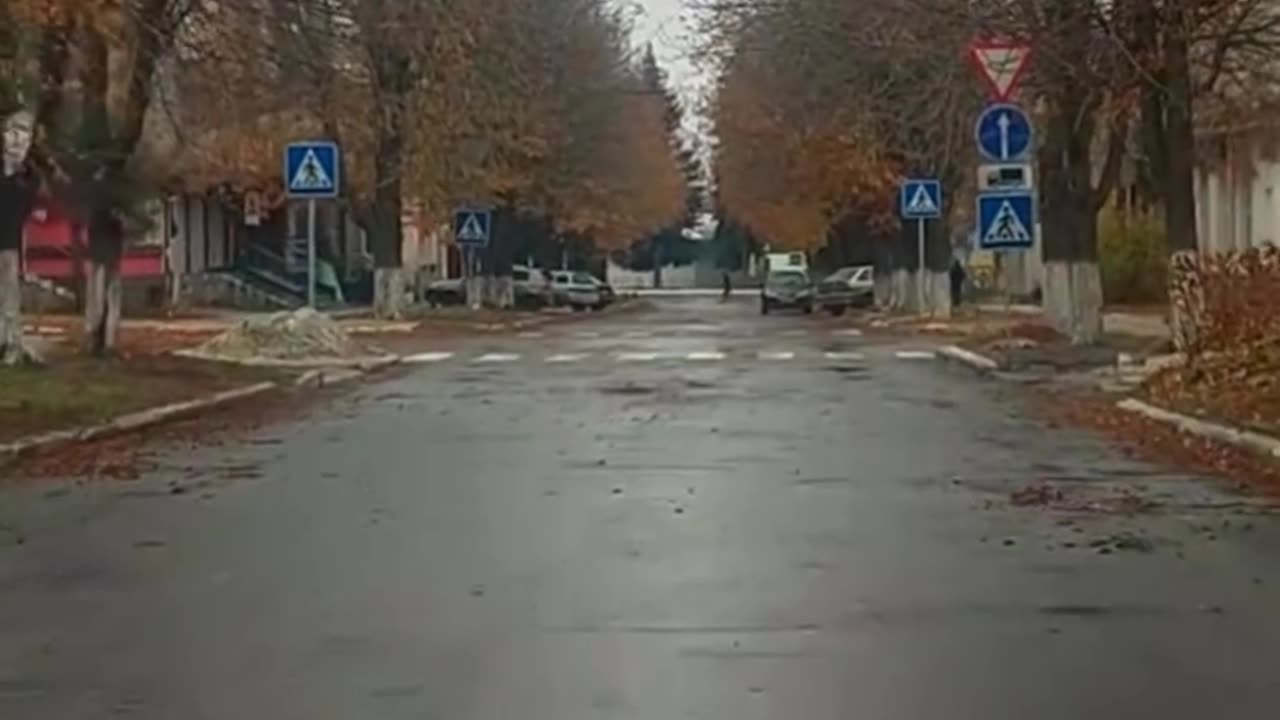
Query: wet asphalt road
(693, 512)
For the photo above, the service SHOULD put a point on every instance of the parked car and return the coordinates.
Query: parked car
(450, 291)
(787, 289)
(862, 282)
(607, 294)
(577, 290)
(532, 287)
(844, 288)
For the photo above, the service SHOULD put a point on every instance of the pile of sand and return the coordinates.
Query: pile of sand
(297, 335)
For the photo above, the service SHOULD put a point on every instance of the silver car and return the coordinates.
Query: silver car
(578, 290)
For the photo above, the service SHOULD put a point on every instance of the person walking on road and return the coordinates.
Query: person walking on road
(957, 281)
(728, 286)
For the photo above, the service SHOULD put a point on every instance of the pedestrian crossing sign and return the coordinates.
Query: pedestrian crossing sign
(1007, 220)
(311, 170)
(921, 199)
(472, 227)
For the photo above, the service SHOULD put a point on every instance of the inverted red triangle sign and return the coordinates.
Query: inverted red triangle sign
(1002, 65)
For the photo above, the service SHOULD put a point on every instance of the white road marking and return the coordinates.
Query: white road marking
(794, 333)
(531, 334)
(638, 334)
(705, 356)
(426, 357)
(848, 332)
(638, 356)
(566, 358)
(586, 334)
(777, 356)
(491, 358)
(845, 356)
(916, 355)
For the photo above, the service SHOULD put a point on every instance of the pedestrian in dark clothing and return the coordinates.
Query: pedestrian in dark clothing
(957, 282)
(728, 286)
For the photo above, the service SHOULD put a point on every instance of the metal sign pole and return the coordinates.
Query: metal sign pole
(920, 274)
(311, 253)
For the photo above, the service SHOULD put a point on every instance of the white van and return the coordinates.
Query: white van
(786, 261)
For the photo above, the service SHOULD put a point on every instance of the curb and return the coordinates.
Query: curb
(1246, 439)
(320, 377)
(129, 421)
(326, 376)
(368, 362)
(980, 363)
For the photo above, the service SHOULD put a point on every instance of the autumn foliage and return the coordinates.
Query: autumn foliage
(533, 105)
(819, 113)
(536, 105)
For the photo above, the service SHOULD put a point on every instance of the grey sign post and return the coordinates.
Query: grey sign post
(472, 230)
(312, 172)
(920, 199)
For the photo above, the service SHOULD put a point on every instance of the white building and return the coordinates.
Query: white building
(1237, 181)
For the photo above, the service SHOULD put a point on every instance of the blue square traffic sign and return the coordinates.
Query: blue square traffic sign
(1007, 220)
(472, 227)
(312, 170)
(920, 199)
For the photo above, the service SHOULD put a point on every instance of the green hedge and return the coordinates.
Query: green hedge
(1133, 257)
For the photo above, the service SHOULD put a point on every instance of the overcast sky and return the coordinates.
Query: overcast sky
(667, 24)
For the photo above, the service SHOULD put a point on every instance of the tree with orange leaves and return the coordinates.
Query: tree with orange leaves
(820, 113)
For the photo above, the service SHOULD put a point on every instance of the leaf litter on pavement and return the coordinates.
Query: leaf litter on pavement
(1161, 444)
(132, 455)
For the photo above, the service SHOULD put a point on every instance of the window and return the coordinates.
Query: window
(520, 275)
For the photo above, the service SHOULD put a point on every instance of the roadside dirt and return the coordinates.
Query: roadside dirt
(129, 456)
(1159, 443)
(75, 390)
(1230, 392)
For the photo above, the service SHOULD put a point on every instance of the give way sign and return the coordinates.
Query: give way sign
(1001, 64)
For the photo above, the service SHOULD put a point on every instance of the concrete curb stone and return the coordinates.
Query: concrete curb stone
(968, 358)
(1246, 439)
(367, 361)
(130, 421)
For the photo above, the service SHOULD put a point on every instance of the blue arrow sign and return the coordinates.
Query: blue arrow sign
(312, 170)
(920, 199)
(472, 227)
(1003, 133)
(1007, 220)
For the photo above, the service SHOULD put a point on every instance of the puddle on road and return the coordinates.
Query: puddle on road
(852, 373)
(629, 390)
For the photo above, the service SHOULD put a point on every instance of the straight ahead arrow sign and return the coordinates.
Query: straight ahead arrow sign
(1003, 124)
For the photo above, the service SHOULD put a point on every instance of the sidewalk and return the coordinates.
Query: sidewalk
(1121, 322)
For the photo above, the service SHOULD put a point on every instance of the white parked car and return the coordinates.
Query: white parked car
(862, 282)
(575, 289)
(532, 286)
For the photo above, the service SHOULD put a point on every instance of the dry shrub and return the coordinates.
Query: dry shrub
(1229, 300)
(1132, 256)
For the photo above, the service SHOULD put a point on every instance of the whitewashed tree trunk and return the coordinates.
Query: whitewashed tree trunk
(883, 289)
(12, 349)
(1073, 299)
(103, 296)
(938, 293)
(901, 277)
(909, 294)
(474, 289)
(388, 293)
(500, 292)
